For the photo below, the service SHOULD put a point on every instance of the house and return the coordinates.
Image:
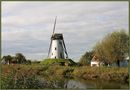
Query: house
(95, 61)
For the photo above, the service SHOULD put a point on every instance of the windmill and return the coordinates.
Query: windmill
(57, 48)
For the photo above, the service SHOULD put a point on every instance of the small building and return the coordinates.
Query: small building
(95, 61)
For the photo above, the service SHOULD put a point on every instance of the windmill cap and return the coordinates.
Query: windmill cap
(57, 36)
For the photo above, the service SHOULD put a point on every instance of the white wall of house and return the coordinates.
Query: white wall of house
(94, 63)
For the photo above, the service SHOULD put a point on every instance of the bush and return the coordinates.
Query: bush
(19, 78)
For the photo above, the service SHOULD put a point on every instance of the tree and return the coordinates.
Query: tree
(20, 58)
(7, 58)
(86, 58)
(14, 60)
(28, 61)
(113, 47)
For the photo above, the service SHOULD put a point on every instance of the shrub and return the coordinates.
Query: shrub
(19, 78)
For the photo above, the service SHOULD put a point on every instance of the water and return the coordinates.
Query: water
(95, 84)
(77, 83)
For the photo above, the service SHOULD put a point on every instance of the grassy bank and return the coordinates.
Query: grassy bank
(19, 77)
(27, 76)
(104, 73)
(90, 73)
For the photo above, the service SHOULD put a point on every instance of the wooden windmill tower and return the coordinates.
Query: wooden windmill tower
(57, 47)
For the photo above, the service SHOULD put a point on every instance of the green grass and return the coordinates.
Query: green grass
(105, 73)
(58, 61)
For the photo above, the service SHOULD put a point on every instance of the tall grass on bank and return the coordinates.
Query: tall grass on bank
(89, 73)
(105, 73)
(30, 76)
(16, 77)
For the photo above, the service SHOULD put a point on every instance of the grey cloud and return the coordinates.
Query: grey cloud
(27, 26)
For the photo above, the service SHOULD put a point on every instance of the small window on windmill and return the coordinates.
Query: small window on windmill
(55, 48)
(55, 57)
(52, 53)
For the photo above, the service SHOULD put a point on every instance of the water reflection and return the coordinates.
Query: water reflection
(59, 82)
(101, 84)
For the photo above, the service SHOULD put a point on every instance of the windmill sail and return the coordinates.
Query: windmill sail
(54, 25)
(52, 35)
(49, 47)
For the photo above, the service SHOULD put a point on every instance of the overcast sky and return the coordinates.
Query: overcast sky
(27, 26)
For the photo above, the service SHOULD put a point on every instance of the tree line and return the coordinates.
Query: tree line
(113, 48)
(19, 58)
